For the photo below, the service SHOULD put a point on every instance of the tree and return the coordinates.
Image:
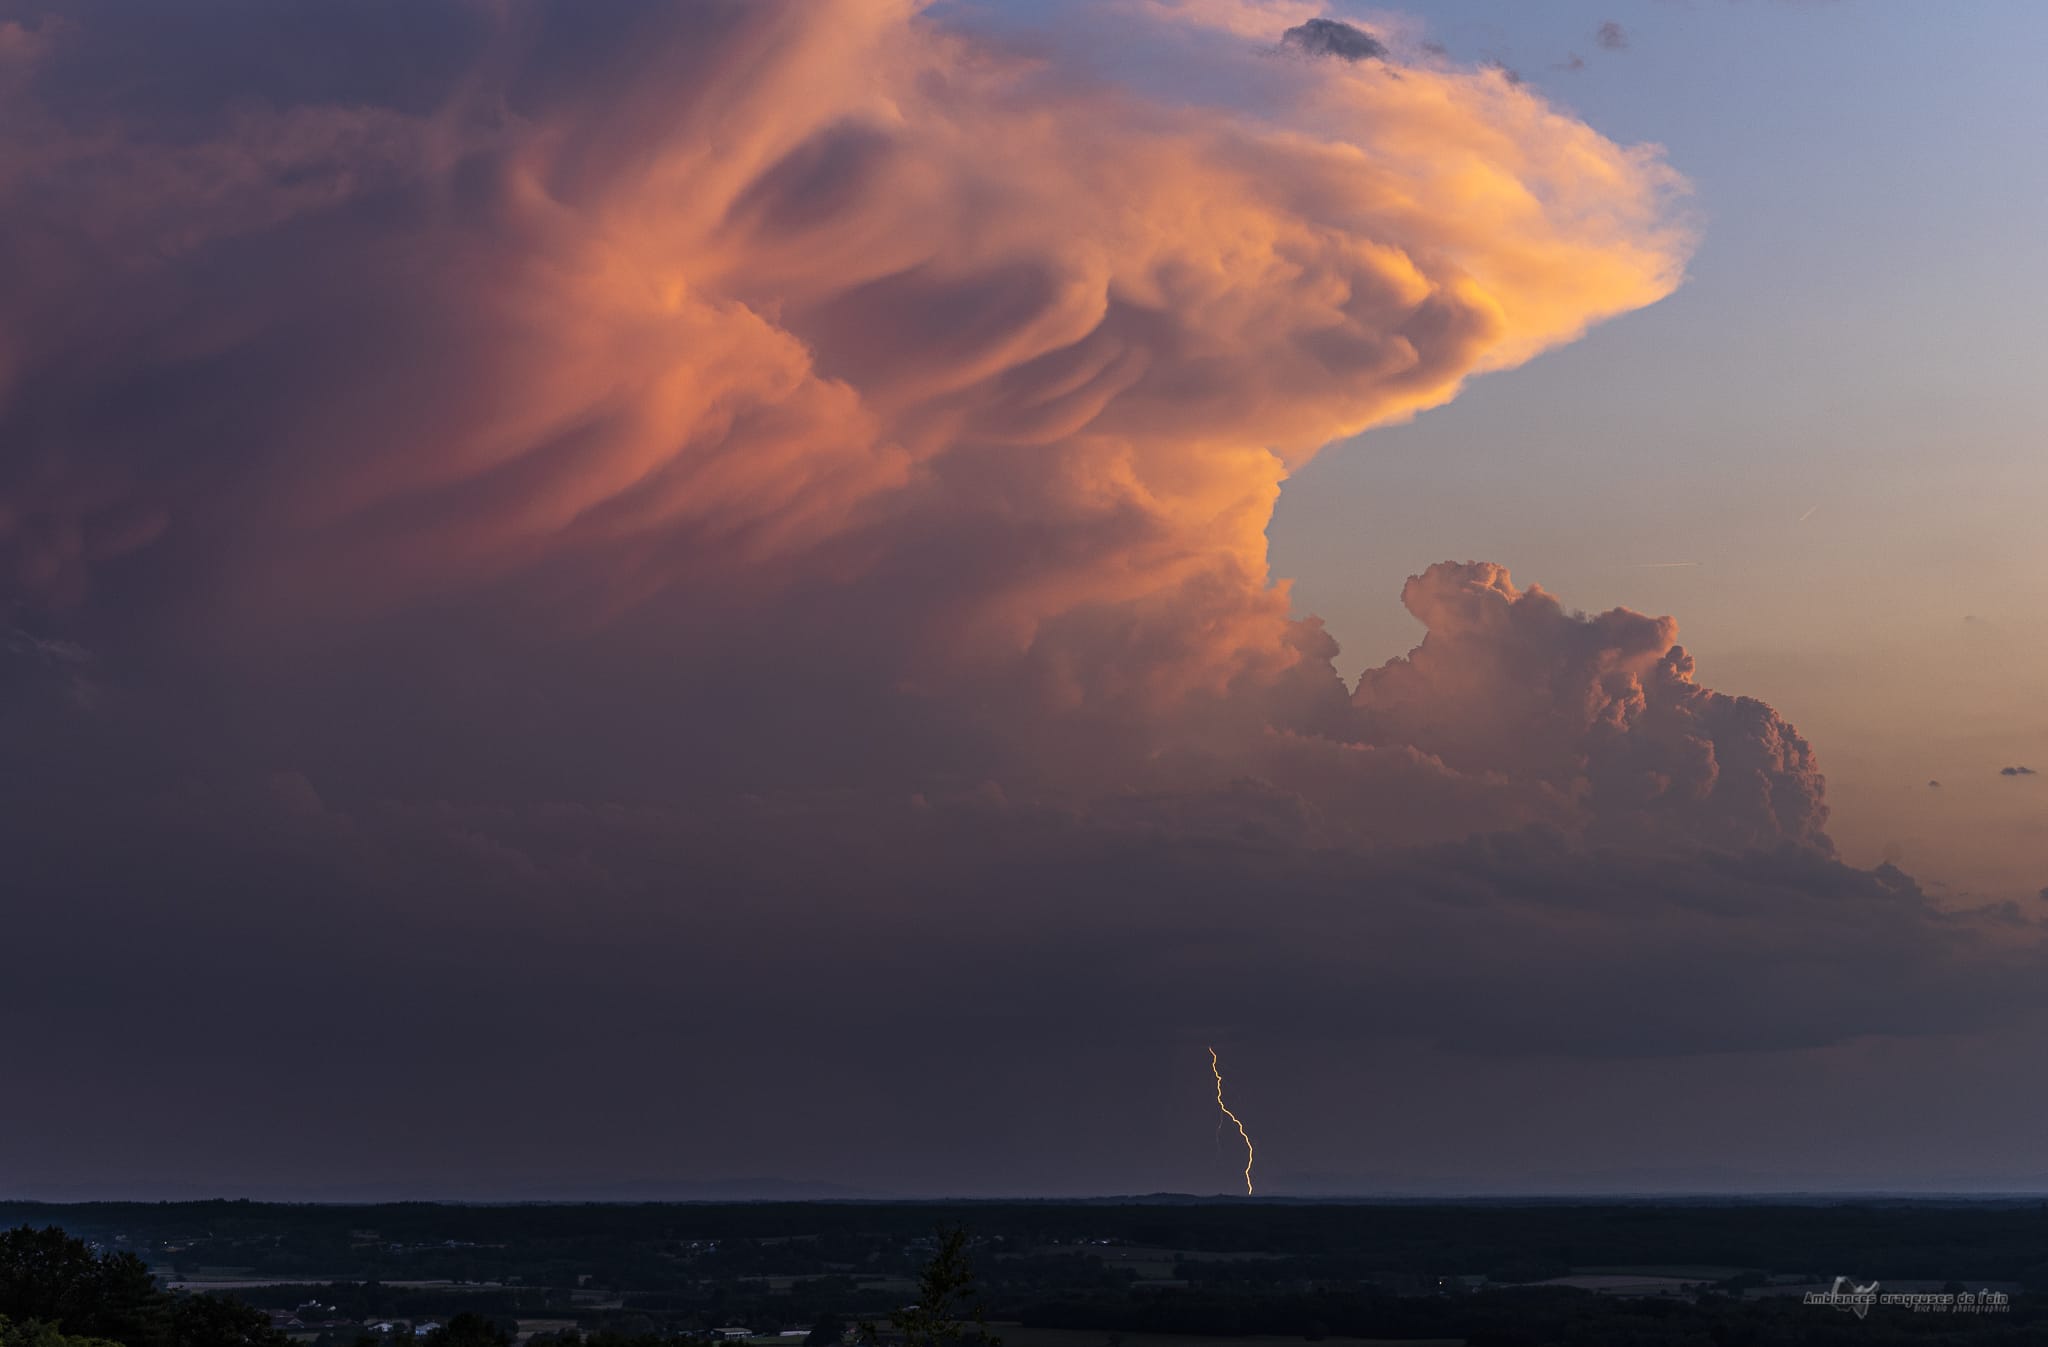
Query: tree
(48, 1277)
(213, 1321)
(470, 1330)
(829, 1331)
(948, 1312)
(51, 1284)
(43, 1335)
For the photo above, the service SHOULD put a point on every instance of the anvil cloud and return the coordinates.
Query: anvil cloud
(775, 482)
(726, 294)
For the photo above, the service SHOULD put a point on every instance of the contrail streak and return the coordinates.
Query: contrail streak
(1665, 565)
(1809, 513)
(1217, 1067)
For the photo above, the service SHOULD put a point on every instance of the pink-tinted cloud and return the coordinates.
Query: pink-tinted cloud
(573, 391)
(1601, 710)
(726, 294)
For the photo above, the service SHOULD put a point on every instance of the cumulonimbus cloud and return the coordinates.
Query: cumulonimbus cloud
(854, 425)
(714, 294)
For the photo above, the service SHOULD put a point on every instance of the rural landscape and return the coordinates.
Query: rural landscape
(1158, 1272)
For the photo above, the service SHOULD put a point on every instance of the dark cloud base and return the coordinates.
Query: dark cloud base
(446, 996)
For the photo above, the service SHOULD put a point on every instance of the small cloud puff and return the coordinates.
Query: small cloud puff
(2017, 771)
(1334, 37)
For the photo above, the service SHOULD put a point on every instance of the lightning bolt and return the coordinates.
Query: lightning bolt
(1217, 1067)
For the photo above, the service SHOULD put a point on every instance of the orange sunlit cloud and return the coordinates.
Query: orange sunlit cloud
(785, 281)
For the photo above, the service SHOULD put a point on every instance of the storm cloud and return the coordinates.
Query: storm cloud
(412, 363)
(568, 514)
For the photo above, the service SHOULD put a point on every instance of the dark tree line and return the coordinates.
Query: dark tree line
(56, 1291)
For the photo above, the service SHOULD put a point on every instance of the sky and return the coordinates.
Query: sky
(674, 599)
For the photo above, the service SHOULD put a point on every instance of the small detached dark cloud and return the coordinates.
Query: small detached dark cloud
(1334, 37)
(1574, 61)
(2017, 771)
(1612, 37)
(1935, 785)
